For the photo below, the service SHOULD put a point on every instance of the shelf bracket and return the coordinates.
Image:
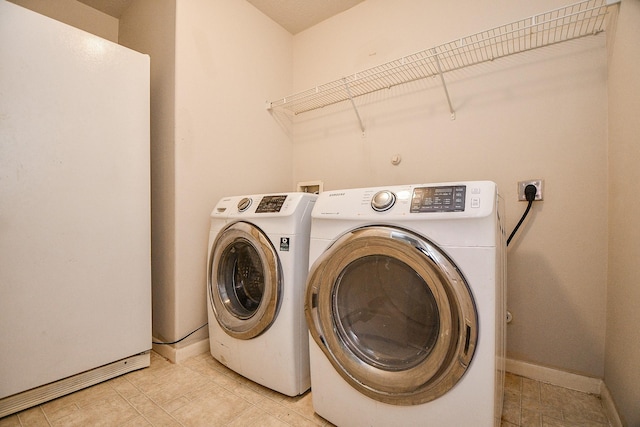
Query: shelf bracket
(444, 85)
(353, 104)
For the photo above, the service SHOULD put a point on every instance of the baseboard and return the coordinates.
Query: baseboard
(610, 407)
(555, 376)
(180, 354)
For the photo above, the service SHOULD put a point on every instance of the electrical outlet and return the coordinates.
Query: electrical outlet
(539, 183)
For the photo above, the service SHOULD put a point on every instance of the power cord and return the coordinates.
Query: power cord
(181, 339)
(529, 194)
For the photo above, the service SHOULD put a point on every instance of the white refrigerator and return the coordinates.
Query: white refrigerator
(75, 274)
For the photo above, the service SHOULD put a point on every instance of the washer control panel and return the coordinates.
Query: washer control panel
(418, 202)
(271, 204)
(446, 198)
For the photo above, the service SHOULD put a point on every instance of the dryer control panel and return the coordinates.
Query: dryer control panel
(449, 198)
(271, 204)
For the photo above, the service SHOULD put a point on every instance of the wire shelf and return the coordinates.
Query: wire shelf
(567, 23)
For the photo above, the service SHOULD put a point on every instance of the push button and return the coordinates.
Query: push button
(475, 202)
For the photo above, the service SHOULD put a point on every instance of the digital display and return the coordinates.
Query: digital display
(438, 199)
(270, 204)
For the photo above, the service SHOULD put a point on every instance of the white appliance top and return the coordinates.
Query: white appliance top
(461, 213)
(466, 199)
(262, 205)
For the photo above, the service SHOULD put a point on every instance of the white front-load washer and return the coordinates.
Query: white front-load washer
(257, 270)
(405, 304)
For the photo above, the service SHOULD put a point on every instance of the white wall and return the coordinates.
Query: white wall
(622, 369)
(537, 115)
(230, 59)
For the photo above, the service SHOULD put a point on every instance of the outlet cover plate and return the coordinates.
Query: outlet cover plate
(539, 184)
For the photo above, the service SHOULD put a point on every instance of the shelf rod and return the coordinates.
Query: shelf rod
(353, 104)
(444, 85)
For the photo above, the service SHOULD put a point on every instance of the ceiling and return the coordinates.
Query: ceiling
(110, 7)
(292, 15)
(298, 15)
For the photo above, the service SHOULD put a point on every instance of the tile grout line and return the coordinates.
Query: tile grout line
(154, 402)
(129, 402)
(264, 397)
(46, 417)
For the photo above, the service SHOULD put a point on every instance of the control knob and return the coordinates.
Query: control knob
(383, 200)
(244, 204)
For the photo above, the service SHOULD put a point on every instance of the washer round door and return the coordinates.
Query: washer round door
(393, 314)
(244, 281)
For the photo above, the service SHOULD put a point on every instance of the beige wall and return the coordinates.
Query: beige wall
(230, 59)
(149, 27)
(76, 14)
(537, 115)
(622, 366)
(211, 135)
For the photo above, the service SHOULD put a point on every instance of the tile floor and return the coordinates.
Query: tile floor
(531, 403)
(202, 392)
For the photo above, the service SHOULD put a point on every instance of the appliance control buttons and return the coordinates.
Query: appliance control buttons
(244, 204)
(271, 204)
(383, 200)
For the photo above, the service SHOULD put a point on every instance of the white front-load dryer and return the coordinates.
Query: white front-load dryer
(405, 304)
(257, 270)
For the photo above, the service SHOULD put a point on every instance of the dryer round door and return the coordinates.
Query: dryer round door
(393, 314)
(244, 281)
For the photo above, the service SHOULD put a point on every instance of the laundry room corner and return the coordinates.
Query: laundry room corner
(204, 148)
(329, 212)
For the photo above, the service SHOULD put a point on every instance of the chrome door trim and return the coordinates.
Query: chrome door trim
(251, 324)
(444, 365)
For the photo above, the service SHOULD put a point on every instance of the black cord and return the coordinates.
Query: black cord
(183, 338)
(530, 193)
